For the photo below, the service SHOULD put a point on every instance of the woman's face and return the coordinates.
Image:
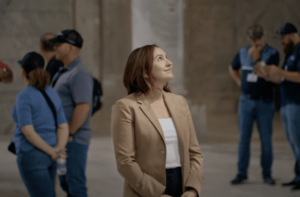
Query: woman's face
(162, 66)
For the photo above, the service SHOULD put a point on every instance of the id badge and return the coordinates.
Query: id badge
(252, 78)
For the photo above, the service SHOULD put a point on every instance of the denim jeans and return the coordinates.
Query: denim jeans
(290, 114)
(262, 112)
(74, 182)
(38, 172)
(174, 182)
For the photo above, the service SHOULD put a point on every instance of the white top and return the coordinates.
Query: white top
(173, 157)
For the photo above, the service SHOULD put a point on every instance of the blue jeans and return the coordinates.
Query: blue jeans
(38, 172)
(174, 182)
(74, 182)
(290, 114)
(262, 112)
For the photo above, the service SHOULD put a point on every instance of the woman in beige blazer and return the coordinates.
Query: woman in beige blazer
(155, 144)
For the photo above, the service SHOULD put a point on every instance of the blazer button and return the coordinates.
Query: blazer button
(162, 151)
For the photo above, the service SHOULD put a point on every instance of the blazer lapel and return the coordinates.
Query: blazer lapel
(146, 108)
(175, 114)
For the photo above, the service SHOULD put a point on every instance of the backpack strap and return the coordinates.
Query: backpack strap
(51, 105)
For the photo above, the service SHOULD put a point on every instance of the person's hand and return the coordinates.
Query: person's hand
(190, 193)
(255, 52)
(273, 70)
(62, 151)
(54, 153)
(258, 72)
(70, 139)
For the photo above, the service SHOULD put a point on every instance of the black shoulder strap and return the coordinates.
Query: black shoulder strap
(59, 73)
(51, 105)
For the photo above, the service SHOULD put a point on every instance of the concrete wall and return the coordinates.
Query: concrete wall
(161, 22)
(115, 49)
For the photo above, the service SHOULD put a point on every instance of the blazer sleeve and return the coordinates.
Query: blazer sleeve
(124, 146)
(195, 177)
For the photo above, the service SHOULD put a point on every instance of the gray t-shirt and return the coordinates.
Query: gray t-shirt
(76, 86)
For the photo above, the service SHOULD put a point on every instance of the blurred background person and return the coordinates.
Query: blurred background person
(48, 53)
(74, 84)
(6, 75)
(289, 77)
(155, 143)
(256, 102)
(37, 138)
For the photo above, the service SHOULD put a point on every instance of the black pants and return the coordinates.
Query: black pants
(174, 182)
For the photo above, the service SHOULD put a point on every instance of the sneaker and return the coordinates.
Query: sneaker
(269, 180)
(292, 183)
(296, 187)
(238, 179)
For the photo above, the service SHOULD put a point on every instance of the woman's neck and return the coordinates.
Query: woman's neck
(154, 95)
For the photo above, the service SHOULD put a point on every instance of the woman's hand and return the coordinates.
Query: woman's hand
(54, 153)
(190, 193)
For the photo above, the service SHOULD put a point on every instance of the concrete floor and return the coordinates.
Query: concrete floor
(219, 169)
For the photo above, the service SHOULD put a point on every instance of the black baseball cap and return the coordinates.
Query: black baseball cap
(287, 28)
(31, 61)
(70, 36)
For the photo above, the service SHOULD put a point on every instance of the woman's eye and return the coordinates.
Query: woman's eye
(159, 58)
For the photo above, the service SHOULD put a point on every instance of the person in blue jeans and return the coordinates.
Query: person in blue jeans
(37, 139)
(256, 102)
(289, 78)
(74, 85)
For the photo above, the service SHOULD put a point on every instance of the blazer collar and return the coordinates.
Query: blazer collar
(146, 108)
(172, 107)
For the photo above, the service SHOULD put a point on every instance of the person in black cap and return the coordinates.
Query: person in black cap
(256, 104)
(48, 53)
(289, 78)
(38, 138)
(74, 84)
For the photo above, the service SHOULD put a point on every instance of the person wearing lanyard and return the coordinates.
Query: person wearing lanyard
(6, 75)
(256, 102)
(289, 77)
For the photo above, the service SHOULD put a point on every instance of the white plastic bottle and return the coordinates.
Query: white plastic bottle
(61, 166)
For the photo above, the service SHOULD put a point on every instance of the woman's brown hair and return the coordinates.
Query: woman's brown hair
(139, 63)
(38, 78)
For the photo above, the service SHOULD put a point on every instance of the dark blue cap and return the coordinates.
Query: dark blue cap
(70, 36)
(287, 28)
(31, 61)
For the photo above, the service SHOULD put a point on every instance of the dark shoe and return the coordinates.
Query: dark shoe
(296, 187)
(269, 180)
(292, 183)
(238, 179)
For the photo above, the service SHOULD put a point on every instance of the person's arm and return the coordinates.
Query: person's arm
(5, 77)
(80, 113)
(273, 60)
(122, 128)
(234, 69)
(235, 74)
(195, 178)
(278, 73)
(62, 136)
(81, 88)
(38, 142)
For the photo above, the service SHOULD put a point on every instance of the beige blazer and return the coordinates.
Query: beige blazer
(140, 148)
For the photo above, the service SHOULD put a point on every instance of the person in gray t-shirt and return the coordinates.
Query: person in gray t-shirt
(74, 84)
